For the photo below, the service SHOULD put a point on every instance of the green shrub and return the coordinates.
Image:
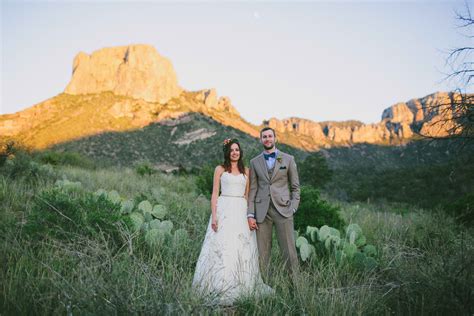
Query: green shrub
(64, 158)
(316, 212)
(20, 164)
(314, 171)
(204, 179)
(63, 215)
(7, 150)
(463, 209)
(415, 184)
(144, 168)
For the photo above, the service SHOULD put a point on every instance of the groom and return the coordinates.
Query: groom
(274, 196)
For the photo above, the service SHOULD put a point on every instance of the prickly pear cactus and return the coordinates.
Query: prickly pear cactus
(296, 234)
(370, 250)
(358, 260)
(301, 240)
(353, 228)
(340, 256)
(334, 232)
(145, 206)
(145, 227)
(154, 237)
(180, 236)
(332, 242)
(166, 226)
(147, 216)
(353, 231)
(349, 250)
(101, 192)
(114, 196)
(159, 211)
(127, 206)
(156, 224)
(324, 233)
(312, 233)
(67, 185)
(306, 251)
(137, 220)
(360, 241)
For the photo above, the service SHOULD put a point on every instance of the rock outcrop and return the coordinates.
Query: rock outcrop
(136, 71)
(428, 116)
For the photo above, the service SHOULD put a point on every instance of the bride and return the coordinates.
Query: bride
(227, 268)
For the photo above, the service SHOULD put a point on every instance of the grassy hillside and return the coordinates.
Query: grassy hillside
(415, 154)
(422, 173)
(66, 250)
(414, 173)
(172, 143)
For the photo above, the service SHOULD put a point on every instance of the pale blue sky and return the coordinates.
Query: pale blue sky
(318, 60)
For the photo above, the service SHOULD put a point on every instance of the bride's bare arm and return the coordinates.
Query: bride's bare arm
(215, 194)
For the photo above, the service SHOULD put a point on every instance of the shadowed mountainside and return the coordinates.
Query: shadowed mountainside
(192, 140)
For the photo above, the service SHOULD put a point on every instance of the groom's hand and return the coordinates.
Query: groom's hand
(252, 223)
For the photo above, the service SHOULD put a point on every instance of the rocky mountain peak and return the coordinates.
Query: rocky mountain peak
(136, 71)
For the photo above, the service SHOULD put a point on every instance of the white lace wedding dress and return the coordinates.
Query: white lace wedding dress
(228, 267)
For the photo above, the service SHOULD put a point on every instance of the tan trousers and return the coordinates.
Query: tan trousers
(286, 240)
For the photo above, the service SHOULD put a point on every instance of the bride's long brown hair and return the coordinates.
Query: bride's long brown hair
(240, 163)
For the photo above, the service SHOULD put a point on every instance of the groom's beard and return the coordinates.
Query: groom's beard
(269, 147)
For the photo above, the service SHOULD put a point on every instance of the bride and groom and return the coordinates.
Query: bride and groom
(239, 235)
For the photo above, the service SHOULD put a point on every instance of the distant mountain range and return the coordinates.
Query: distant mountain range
(194, 140)
(132, 89)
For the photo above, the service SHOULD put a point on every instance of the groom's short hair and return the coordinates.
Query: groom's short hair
(267, 129)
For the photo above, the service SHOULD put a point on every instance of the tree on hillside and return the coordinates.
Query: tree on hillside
(314, 170)
(457, 116)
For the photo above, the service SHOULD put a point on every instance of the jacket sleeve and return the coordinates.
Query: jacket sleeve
(252, 191)
(294, 184)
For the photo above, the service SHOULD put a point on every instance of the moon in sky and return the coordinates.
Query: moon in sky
(256, 15)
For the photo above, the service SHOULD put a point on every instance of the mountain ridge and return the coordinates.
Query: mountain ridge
(129, 87)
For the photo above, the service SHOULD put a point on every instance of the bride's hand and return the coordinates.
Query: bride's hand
(214, 225)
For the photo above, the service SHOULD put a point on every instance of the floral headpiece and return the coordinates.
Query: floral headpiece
(227, 141)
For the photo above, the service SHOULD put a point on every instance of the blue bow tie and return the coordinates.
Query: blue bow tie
(266, 156)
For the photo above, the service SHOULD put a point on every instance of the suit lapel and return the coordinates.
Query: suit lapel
(277, 165)
(263, 166)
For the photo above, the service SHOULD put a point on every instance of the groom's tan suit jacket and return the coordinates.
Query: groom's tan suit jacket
(283, 187)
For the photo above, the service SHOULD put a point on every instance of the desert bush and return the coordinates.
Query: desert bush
(66, 215)
(204, 179)
(462, 209)
(413, 185)
(434, 270)
(144, 168)
(64, 158)
(21, 164)
(7, 150)
(314, 171)
(313, 211)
